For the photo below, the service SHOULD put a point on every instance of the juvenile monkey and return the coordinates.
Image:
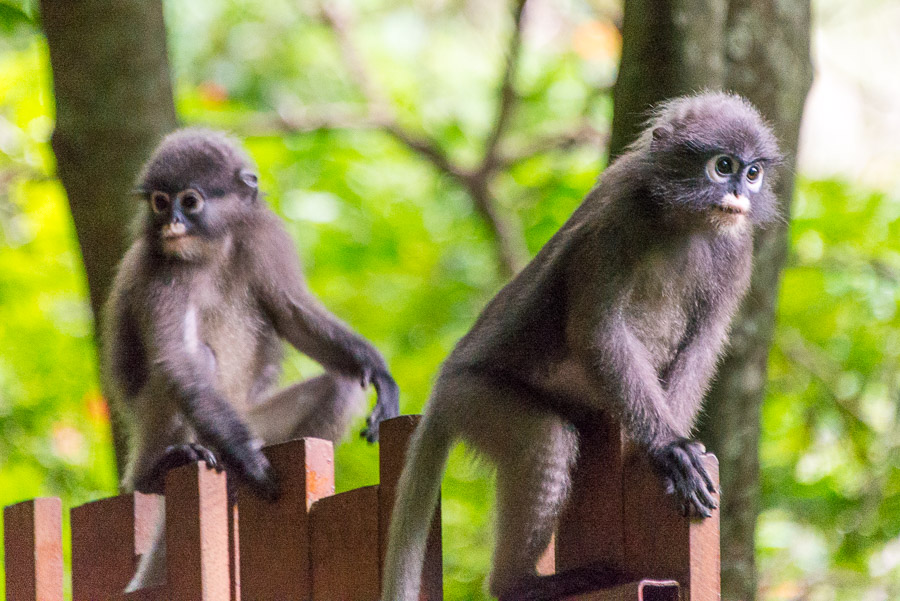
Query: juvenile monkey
(193, 329)
(623, 312)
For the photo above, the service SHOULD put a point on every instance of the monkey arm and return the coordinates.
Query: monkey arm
(125, 361)
(688, 377)
(623, 365)
(301, 320)
(187, 379)
(649, 419)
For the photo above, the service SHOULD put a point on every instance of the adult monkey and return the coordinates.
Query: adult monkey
(624, 311)
(194, 323)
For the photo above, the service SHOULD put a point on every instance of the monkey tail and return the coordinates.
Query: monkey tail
(418, 492)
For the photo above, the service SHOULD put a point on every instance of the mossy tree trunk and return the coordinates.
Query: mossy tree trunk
(760, 49)
(114, 102)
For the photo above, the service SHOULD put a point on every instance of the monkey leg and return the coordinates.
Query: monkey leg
(533, 483)
(321, 407)
(533, 452)
(156, 429)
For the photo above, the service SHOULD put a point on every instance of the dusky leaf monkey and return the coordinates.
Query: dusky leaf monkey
(623, 312)
(194, 323)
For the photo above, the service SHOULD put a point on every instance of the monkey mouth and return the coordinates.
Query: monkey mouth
(733, 204)
(731, 210)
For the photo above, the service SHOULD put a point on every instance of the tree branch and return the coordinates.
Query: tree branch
(507, 97)
(507, 237)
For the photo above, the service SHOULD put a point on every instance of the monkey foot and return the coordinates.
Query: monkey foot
(685, 478)
(173, 457)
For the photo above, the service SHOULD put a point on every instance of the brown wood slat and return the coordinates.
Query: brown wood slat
(394, 437)
(197, 561)
(234, 553)
(590, 530)
(156, 593)
(659, 543)
(643, 590)
(344, 539)
(107, 538)
(32, 538)
(274, 537)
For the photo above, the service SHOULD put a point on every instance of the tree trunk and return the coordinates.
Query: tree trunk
(113, 104)
(767, 61)
(669, 48)
(759, 49)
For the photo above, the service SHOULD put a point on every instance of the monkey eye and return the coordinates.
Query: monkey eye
(720, 167)
(754, 177)
(159, 202)
(191, 201)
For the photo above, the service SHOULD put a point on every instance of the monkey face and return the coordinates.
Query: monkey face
(198, 184)
(177, 219)
(714, 158)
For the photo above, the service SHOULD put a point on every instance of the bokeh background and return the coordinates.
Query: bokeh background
(399, 246)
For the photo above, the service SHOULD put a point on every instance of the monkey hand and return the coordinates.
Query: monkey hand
(247, 461)
(386, 407)
(173, 457)
(684, 475)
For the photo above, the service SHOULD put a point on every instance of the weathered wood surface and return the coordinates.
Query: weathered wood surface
(344, 538)
(108, 537)
(395, 435)
(32, 538)
(197, 558)
(274, 537)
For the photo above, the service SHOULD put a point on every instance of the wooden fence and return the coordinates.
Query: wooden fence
(620, 538)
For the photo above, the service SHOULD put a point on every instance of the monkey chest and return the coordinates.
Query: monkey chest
(657, 309)
(234, 334)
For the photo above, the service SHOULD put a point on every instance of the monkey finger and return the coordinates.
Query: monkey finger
(698, 507)
(705, 497)
(668, 486)
(697, 462)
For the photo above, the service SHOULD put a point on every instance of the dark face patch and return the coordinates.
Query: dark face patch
(706, 147)
(196, 184)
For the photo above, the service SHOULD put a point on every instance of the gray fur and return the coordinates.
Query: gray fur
(624, 312)
(193, 331)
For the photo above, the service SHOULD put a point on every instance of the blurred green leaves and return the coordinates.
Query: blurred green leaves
(394, 247)
(831, 433)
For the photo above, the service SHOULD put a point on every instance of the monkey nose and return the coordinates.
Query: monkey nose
(738, 204)
(171, 230)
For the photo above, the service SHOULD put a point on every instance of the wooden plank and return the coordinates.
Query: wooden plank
(197, 560)
(155, 593)
(274, 537)
(591, 531)
(108, 536)
(394, 438)
(234, 553)
(660, 543)
(643, 590)
(32, 538)
(344, 540)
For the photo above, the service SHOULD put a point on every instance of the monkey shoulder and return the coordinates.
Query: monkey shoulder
(125, 366)
(267, 251)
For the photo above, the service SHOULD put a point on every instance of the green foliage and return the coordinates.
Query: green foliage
(831, 430)
(395, 248)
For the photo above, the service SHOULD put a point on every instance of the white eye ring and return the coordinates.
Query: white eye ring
(191, 201)
(721, 167)
(159, 202)
(755, 184)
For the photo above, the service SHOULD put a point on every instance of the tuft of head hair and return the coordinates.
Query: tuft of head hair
(710, 122)
(197, 157)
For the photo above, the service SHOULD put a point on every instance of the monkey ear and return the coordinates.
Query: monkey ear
(660, 135)
(249, 179)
